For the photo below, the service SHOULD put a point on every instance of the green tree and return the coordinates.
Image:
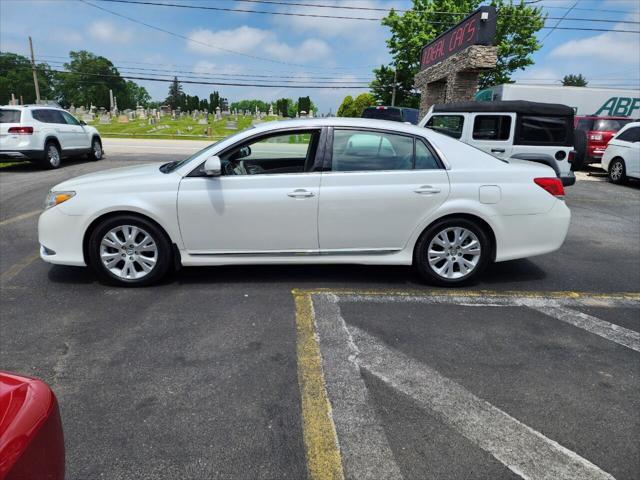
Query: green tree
(174, 98)
(361, 102)
(214, 101)
(135, 95)
(88, 79)
(304, 104)
(574, 80)
(16, 78)
(346, 107)
(282, 106)
(515, 39)
(250, 105)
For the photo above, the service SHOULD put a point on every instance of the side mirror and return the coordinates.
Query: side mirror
(213, 166)
(82, 122)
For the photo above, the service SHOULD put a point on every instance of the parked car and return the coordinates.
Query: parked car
(31, 438)
(597, 132)
(314, 191)
(621, 158)
(395, 114)
(45, 135)
(538, 132)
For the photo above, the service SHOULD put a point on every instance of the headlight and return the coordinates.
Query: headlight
(56, 198)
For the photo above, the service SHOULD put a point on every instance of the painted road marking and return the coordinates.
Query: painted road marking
(17, 218)
(15, 270)
(597, 326)
(349, 414)
(320, 439)
(354, 417)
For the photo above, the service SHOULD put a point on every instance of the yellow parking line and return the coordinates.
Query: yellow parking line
(17, 218)
(471, 293)
(320, 439)
(15, 270)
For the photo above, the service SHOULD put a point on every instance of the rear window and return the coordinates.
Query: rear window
(450, 125)
(385, 113)
(585, 124)
(9, 116)
(610, 125)
(544, 130)
(410, 115)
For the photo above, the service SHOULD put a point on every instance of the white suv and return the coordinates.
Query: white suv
(538, 132)
(45, 134)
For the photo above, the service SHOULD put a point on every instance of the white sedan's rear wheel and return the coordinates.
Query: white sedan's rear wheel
(452, 252)
(129, 251)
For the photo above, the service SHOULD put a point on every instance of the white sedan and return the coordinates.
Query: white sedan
(332, 190)
(621, 159)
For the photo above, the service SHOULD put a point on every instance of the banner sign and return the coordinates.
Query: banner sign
(479, 28)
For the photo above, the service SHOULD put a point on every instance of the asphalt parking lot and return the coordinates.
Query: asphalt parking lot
(335, 371)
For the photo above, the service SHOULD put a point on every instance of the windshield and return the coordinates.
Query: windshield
(171, 166)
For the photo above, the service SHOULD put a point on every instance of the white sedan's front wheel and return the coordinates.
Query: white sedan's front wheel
(129, 251)
(452, 252)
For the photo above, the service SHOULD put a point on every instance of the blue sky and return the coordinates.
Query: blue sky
(304, 48)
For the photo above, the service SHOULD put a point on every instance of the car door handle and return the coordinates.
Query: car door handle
(497, 150)
(300, 193)
(426, 190)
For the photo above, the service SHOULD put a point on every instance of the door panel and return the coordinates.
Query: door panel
(249, 213)
(493, 133)
(376, 210)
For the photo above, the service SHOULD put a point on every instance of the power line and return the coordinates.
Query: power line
(340, 17)
(379, 9)
(231, 84)
(558, 23)
(215, 74)
(178, 35)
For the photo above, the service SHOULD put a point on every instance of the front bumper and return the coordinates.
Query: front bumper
(60, 237)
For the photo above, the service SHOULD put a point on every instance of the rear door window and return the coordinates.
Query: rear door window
(9, 116)
(543, 130)
(630, 135)
(362, 150)
(491, 127)
(450, 125)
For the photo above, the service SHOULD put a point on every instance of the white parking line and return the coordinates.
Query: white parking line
(520, 448)
(610, 331)
(363, 444)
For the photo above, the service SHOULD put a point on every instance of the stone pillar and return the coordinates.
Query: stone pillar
(455, 79)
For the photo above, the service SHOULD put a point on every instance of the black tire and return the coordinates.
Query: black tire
(96, 152)
(163, 258)
(580, 146)
(617, 171)
(421, 257)
(51, 157)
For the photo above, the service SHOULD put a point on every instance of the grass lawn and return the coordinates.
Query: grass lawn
(185, 128)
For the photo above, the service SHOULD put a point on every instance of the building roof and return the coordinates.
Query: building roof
(516, 106)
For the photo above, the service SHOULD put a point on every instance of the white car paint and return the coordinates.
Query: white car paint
(629, 151)
(372, 217)
(73, 138)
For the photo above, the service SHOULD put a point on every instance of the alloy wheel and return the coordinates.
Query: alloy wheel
(616, 171)
(454, 253)
(128, 252)
(53, 156)
(97, 150)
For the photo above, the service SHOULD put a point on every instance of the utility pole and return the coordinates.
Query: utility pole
(33, 69)
(395, 81)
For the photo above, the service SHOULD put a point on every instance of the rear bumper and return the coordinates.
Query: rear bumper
(21, 154)
(568, 179)
(522, 236)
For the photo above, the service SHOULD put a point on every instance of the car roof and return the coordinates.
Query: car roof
(516, 106)
(368, 123)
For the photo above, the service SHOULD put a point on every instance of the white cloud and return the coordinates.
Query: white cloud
(107, 32)
(256, 41)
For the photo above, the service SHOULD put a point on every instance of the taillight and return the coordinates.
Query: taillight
(596, 137)
(553, 185)
(572, 156)
(20, 130)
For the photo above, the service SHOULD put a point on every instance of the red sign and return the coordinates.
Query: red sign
(479, 28)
